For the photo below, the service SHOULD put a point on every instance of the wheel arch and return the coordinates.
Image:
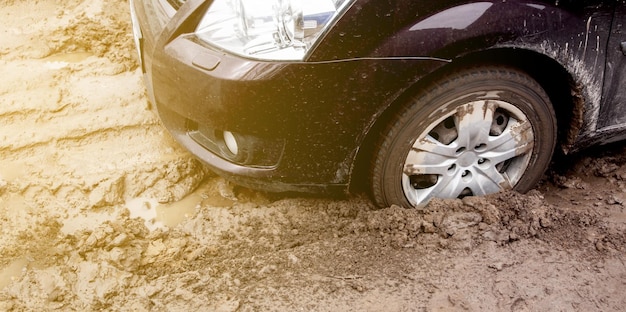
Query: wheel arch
(558, 83)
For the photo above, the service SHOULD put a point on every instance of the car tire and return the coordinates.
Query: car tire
(474, 132)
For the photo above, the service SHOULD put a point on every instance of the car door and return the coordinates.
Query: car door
(613, 111)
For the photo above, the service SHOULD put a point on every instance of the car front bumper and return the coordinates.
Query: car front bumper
(299, 124)
(200, 93)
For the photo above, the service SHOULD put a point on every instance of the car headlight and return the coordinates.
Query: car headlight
(268, 29)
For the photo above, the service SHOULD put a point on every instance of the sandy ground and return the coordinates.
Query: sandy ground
(101, 210)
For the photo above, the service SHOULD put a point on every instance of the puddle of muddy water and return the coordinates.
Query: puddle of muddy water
(144, 208)
(154, 214)
(157, 215)
(173, 214)
(61, 60)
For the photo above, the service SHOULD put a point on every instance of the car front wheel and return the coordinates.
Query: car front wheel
(475, 132)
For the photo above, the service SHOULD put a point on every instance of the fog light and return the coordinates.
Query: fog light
(231, 142)
(237, 148)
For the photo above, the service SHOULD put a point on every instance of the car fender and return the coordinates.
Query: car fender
(573, 34)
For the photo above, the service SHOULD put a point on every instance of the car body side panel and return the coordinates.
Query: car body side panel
(613, 113)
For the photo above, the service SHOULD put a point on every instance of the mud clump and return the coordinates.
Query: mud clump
(502, 218)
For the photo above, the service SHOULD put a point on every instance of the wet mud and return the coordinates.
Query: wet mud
(100, 210)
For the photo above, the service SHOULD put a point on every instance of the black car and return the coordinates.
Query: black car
(414, 99)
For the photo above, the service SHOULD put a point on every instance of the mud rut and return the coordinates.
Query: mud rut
(101, 210)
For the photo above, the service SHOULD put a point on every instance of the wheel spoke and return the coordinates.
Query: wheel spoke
(517, 132)
(490, 181)
(514, 141)
(450, 187)
(414, 169)
(426, 163)
(446, 187)
(474, 122)
(429, 144)
(501, 154)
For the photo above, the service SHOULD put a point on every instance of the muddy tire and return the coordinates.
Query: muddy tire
(475, 132)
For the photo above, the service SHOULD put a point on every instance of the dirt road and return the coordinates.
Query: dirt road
(101, 210)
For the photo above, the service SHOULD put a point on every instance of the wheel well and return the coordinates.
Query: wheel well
(556, 81)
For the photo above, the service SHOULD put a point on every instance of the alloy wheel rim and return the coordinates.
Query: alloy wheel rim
(478, 148)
